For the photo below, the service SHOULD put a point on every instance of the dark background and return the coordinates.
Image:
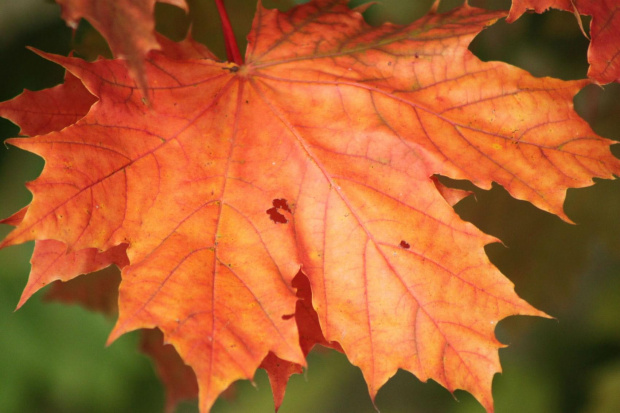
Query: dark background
(53, 357)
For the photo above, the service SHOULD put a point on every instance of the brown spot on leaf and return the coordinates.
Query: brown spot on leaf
(281, 204)
(276, 216)
(274, 213)
(404, 244)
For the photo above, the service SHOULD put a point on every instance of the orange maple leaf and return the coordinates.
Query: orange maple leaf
(318, 153)
(603, 54)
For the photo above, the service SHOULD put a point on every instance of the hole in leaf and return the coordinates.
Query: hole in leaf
(404, 244)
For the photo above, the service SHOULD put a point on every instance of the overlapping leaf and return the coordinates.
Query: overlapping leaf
(604, 51)
(310, 334)
(127, 25)
(317, 154)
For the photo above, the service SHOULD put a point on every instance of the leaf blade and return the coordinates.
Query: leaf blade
(316, 155)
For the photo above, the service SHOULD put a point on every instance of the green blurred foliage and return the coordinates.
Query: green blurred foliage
(53, 358)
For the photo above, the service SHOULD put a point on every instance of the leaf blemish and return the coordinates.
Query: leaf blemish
(404, 244)
(276, 216)
(274, 213)
(281, 204)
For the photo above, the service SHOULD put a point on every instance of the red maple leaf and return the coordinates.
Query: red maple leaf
(127, 25)
(317, 154)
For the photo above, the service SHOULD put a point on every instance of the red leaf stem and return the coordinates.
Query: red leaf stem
(232, 50)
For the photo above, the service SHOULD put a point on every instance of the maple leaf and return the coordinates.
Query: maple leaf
(127, 25)
(96, 292)
(178, 378)
(318, 153)
(603, 54)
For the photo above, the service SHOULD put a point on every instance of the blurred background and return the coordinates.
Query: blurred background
(53, 357)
